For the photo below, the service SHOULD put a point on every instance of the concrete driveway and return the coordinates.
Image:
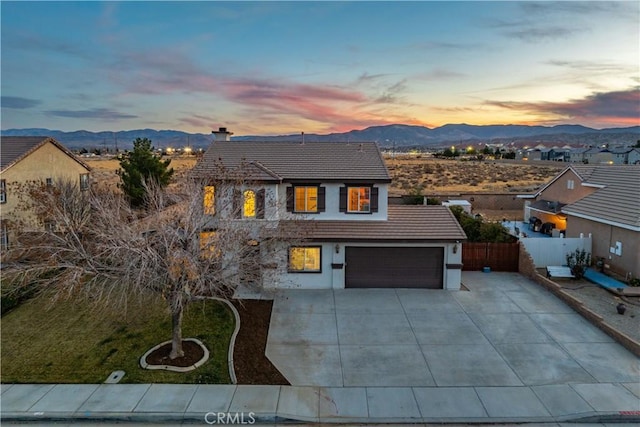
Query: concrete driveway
(505, 331)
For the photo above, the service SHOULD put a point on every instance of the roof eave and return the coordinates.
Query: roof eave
(387, 240)
(602, 220)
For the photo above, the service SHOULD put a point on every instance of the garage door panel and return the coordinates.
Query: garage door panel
(394, 267)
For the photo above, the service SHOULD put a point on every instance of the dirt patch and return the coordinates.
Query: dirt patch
(192, 354)
(603, 303)
(251, 364)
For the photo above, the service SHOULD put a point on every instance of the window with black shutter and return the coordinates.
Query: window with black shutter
(260, 202)
(359, 199)
(306, 198)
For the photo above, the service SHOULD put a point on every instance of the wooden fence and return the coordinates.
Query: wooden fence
(497, 256)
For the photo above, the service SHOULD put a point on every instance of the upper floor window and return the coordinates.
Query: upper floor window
(359, 199)
(305, 259)
(249, 204)
(570, 184)
(84, 181)
(3, 191)
(49, 182)
(306, 198)
(209, 200)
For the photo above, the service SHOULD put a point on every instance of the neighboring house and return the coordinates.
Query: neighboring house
(601, 200)
(611, 213)
(25, 159)
(633, 157)
(597, 156)
(355, 239)
(576, 155)
(547, 203)
(559, 154)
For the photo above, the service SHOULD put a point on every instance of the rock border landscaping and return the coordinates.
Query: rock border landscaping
(145, 365)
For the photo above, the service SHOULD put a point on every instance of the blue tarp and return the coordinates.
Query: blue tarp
(602, 279)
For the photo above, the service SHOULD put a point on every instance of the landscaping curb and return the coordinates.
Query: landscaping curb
(232, 341)
(145, 365)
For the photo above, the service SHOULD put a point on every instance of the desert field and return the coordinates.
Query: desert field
(433, 176)
(410, 175)
(104, 171)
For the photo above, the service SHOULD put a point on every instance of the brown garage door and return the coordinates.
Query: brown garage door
(394, 267)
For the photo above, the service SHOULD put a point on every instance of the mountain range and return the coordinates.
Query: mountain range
(398, 135)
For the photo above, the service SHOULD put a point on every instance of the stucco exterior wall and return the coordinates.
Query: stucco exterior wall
(559, 191)
(332, 205)
(334, 278)
(604, 238)
(48, 161)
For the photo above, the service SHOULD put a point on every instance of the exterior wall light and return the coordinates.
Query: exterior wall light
(337, 248)
(455, 248)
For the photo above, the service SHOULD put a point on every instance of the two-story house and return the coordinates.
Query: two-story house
(25, 159)
(356, 239)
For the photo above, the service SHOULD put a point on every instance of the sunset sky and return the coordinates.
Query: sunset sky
(318, 67)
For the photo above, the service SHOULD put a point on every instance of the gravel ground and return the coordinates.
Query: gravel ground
(604, 304)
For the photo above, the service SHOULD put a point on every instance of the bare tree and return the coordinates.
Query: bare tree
(97, 247)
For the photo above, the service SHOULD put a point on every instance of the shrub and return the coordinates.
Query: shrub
(578, 261)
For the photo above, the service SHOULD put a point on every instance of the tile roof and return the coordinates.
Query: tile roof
(547, 206)
(583, 171)
(15, 148)
(295, 161)
(404, 224)
(617, 203)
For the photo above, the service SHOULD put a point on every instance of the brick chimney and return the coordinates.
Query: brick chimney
(221, 135)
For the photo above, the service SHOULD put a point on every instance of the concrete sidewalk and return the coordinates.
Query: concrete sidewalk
(172, 403)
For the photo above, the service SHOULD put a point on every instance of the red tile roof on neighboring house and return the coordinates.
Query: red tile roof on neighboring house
(404, 224)
(617, 202)
(15, 148)
(295, 161)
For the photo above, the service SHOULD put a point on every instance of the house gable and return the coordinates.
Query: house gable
(565, 188)
(15, 149)
(29, 159)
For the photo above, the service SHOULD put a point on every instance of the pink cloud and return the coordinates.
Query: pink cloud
(618, 108)
(332, 108)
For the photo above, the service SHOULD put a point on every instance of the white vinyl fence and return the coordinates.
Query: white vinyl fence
(554, 251)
